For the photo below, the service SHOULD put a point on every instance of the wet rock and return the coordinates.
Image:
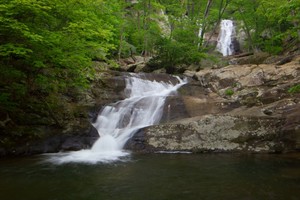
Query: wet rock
(137, 142)
(174, 109)
(291, 128)
(77, 143)
(53, 142)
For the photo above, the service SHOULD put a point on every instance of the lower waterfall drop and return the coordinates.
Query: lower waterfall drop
(119, 121)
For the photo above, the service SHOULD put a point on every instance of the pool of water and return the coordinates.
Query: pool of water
(154, 176)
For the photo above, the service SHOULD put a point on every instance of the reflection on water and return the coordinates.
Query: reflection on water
(156, 176)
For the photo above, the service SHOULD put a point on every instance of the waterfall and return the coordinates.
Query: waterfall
(199, 34)
(117, 122)
(225, 40)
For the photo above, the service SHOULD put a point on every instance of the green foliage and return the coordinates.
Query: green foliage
(48, 46)
(6, 103)
(295, 89)
(267, 23)
(229, 92)
(172, 53)
(181, 45)
(141, 28)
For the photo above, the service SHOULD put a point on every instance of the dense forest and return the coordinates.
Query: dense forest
(47, 46)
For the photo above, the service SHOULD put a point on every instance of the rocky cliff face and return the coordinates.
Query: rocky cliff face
(244, 108)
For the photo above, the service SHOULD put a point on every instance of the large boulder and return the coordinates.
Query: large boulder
(215, 133)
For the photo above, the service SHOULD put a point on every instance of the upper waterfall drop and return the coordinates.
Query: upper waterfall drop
(117, 122)
(226, 37)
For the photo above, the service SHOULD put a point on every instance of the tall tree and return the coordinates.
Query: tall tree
(204, 21)
(221, 10)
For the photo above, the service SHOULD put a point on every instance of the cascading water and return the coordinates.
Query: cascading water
(200, 33)
(119, 121)
(225, 40)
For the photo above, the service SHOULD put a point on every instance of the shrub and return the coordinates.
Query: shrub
(294, 89)
(229, 92)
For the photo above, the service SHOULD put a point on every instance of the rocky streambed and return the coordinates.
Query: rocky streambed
(237, 108)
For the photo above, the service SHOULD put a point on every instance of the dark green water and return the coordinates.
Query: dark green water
(156, 176)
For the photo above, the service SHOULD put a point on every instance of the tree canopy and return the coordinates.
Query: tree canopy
(47, 46)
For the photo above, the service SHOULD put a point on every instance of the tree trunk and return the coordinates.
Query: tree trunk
(221, 12)
(247, 30)
(121, 44)
(208, 5)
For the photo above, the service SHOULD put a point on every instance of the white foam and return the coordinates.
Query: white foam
(87, 156)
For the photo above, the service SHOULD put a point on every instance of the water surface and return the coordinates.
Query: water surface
(154, 176)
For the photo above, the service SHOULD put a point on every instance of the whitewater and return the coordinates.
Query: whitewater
(117, 122)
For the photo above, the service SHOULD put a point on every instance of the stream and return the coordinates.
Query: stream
(154, 176)
(107, 171)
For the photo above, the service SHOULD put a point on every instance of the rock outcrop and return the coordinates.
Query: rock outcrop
(238, 108)
(214, 133)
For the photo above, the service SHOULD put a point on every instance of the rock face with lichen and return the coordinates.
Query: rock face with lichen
(214, 133)
(238, 108)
